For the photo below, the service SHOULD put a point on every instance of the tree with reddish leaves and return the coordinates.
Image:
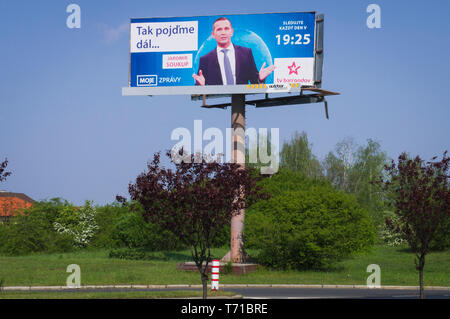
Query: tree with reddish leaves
(421, 198)
(3, 173)
(194, 201)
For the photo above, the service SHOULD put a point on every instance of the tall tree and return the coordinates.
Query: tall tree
(337, 167)
(3, 173)
(297, 156)
(194, 201)
(354, 169)
(334, 170)
(421, 197)
(369, 164)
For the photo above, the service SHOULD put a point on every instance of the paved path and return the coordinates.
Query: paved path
(334, 293)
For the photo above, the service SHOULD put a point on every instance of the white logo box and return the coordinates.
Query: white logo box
(177, 61)
(294, 70)
(164, 36)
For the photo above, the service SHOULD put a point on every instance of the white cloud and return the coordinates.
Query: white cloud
(113, 34)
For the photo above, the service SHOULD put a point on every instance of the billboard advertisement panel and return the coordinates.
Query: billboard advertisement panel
(274, 50)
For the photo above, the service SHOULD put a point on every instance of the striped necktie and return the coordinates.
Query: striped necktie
(227, 65)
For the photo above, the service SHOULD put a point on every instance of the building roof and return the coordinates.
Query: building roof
(17, 195)
(11, 202)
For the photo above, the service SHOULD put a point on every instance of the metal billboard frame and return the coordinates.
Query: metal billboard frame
(212, 91)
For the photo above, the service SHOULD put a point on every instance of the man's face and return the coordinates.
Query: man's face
(222, 32)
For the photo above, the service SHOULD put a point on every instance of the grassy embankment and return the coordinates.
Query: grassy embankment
(396, 263)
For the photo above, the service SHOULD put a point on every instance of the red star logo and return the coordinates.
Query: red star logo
(293, 68)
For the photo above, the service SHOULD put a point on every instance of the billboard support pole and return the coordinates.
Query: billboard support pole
(237, 253)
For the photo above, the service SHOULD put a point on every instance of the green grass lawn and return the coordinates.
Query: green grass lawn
(397, 268)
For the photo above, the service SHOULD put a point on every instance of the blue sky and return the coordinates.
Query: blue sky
(68, 132)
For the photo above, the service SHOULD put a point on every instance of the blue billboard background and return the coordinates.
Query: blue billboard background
(269, 36)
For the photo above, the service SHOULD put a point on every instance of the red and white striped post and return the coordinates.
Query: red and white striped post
(215, 275)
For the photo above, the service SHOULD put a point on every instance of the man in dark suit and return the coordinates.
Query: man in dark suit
(229, 64)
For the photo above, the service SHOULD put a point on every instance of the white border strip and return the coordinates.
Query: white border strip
(210, 89)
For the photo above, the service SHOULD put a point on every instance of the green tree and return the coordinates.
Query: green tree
(334, 170)
(421, 197)
(194, 201)
(79, 223)
(337, 167)
(131, 230)
(354, 169)
(368, 166)
(32, 230)
(297, 156)
(106, 219)
(306, 223)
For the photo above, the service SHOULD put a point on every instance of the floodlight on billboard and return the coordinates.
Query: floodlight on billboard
(229, 54)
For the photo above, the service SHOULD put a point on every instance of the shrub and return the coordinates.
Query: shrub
(306, 224)
(25, 235)
(140, 254)
(441, 239)
(78, 223)
(132, 231)
(32, 231)
(129, 254)
(222, 238)
(106, 219)
(386, 234)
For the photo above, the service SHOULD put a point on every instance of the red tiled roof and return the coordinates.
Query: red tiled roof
(11, 202)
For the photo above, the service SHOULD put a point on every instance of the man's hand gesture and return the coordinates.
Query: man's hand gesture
(199, 78)
(265, 72)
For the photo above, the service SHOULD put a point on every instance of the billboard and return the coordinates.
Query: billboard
(222, 54)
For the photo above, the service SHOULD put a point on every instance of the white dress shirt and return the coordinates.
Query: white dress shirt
(232, 57)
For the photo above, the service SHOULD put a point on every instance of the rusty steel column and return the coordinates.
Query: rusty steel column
(238, 149)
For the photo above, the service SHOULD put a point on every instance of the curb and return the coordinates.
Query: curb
(40, 288)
